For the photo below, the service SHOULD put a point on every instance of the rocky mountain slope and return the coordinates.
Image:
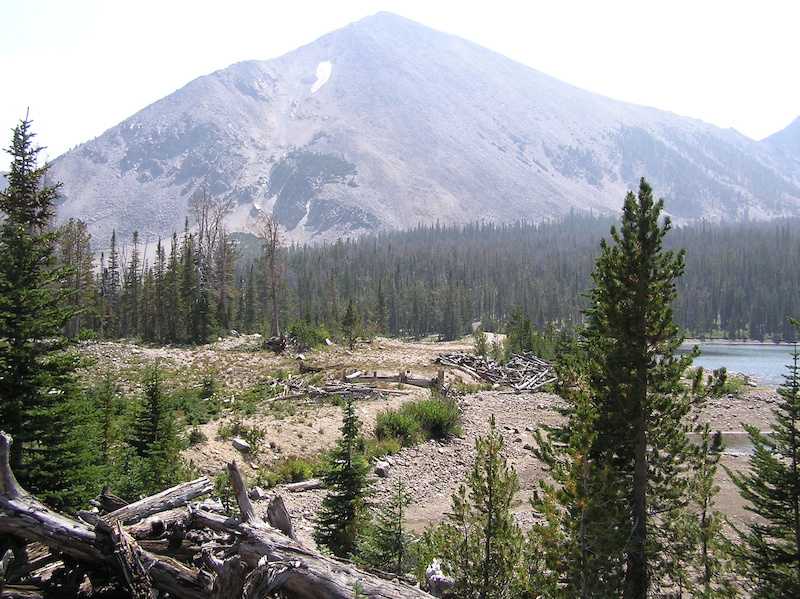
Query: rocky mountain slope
(385, 124)
(787, 140)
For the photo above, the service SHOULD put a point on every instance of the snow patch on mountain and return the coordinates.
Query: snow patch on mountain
(323, 74)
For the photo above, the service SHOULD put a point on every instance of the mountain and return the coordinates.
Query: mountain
(385, 123)
(787, 140)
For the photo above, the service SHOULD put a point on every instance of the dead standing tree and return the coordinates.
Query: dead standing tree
(214, 253)
(269, 231)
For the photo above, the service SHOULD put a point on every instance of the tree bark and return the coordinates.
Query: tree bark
(171, 498)
(260, 559)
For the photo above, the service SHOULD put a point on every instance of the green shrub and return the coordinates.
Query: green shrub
(307, 335)
(434, 418)
(398, 425)
(208, 387)
(378, 448)
(290, 469)
(226, 430)
(196, 436)
(439, 418)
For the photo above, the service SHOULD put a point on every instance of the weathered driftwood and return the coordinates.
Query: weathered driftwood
(5, 562)
(524, 372)
(129, 555)
(359, 391)
(247, 558)
(403, 377)
(313, 576)
(171, 498)
(107, 501)
(278, 517)
(306, 485)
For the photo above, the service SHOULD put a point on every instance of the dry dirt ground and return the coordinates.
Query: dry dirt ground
(431, 471)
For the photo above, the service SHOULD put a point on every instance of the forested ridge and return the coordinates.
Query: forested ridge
(741, 281)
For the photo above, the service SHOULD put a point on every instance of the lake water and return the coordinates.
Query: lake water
(766, 362)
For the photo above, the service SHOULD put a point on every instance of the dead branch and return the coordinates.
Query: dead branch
(219, 557)
(171, 498)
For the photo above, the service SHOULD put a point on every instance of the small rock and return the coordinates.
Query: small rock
(241, 445)
(438, 583)
(382, 469)
(257, 494)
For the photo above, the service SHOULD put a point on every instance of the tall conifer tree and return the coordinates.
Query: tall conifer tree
(344, 514)
(34, 371)
(635, 377)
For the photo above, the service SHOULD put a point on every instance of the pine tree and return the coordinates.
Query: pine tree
(173, 302)
(156, 462)
(110, 290)
(480, 543)
(344, 514)
(772, 487)
(386, 544)
(132, 291)
(267, 228)
(74, 253)
(351, 324)
(706, 559)
(34, 309)
(66, 466)
(635, 377)
(576, 546)
(520, 333)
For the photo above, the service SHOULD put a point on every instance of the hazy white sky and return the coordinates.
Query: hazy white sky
(82, 66)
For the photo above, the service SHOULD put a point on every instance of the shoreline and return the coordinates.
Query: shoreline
(694, 341)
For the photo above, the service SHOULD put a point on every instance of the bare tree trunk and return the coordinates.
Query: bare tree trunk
(259, 559)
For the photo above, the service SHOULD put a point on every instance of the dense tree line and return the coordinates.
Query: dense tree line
(741, 280)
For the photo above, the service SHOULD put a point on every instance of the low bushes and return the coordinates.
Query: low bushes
(434, 418)
(290, 469)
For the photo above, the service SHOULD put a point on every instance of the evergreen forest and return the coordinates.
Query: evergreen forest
(741, 280)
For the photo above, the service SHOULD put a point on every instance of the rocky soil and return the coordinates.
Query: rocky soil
(431, 471)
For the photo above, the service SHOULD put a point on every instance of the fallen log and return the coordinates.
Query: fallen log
(306, 485)
(313, 576)
(171, 498)
(249, 559)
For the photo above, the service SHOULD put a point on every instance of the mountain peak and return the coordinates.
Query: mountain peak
(787, 139)
(386, 123)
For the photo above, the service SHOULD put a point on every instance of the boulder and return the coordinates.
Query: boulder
(382, 469)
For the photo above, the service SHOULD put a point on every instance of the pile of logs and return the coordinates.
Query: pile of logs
(524, 372)
(168, 545)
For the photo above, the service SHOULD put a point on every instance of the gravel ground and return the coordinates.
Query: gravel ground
(431, 471)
